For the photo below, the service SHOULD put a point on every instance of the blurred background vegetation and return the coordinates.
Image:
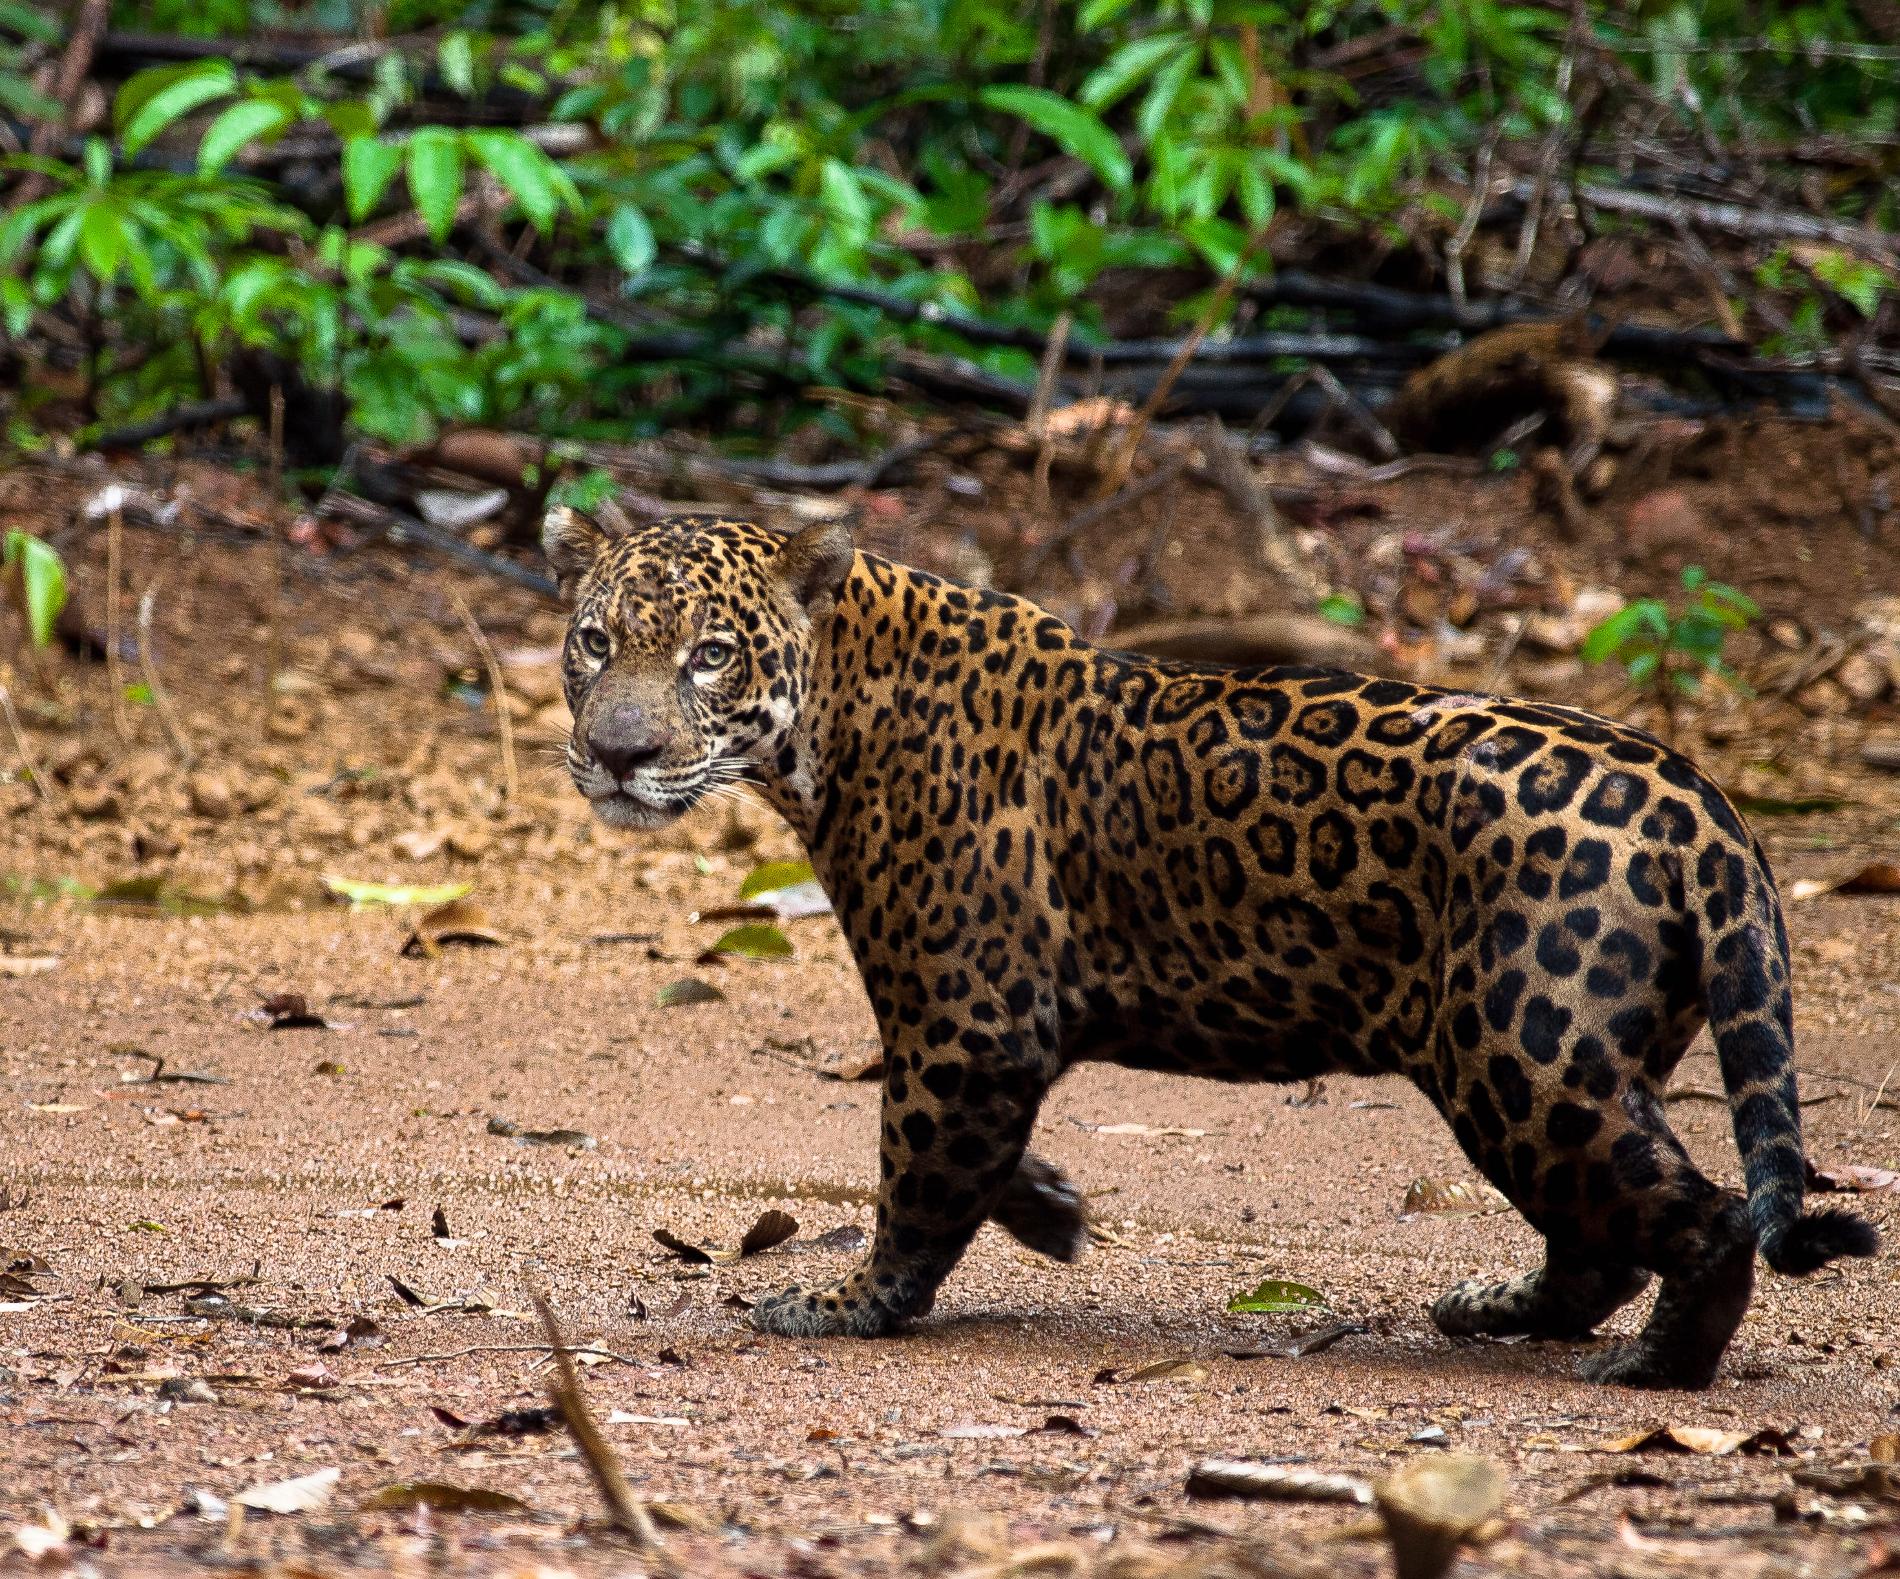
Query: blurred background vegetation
(590, 222)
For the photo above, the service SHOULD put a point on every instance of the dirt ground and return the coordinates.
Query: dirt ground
(377, 1197)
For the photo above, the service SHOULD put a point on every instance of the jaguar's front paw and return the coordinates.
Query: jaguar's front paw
(835, 1312)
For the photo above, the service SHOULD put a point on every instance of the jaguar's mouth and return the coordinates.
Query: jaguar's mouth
(620, 808)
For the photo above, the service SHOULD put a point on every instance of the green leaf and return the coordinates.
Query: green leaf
(774, 875)
(31, 22)
(361, 894)
(456, 57)
(1131, 63)
(369, 165)
(630, 239)
(754, 941)
(688, 990)
(1607, 635)
(242, 123)
(1343, 608)
(42, 583)
(538, 184)
(1643, 667)
(1277, 1298)
(142, 115)
(435, 177)
(1069, 126)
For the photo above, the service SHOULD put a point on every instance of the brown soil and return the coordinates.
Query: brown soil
(316, 1165)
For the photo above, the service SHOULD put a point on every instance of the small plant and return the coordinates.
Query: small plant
(1669, 654)
(36, 583)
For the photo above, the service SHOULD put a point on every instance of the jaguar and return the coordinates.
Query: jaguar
(1043, 852)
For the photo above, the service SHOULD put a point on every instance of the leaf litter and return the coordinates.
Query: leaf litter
(460, 921)
(1450, 1198)
(1277, 1297)
(772, 1229)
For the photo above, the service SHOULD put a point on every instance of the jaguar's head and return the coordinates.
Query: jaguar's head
(689, 651)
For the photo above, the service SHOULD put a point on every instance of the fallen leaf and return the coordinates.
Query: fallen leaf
(311, 1379)
(57, 1107)
(755, 941)
(1707, 1440)
(305, 1494)
(1450, 1198)
(1848, 1177)
(778, 890)
(363, 894)
(773, 1228)
(27, 964)
(1156, 1371)
(441, 1497)
(1275, 1297)
(289, 1011)
(1222, 1477)
(43, 1539)
(688, 990)
(360, 1332)
(1876, 877)
(845, 1237)
(1317, 1341)
(460, 921)
(1063, 1425)
(774, 875)
(577, 1138)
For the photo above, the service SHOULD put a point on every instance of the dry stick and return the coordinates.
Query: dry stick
(27, 759)
(626, 1510)
(272, 650)
(115, 540)
(74, 65)
(1080, 522)
(1468, 226)
(499, 1348)
(1357, 410)
(1124, 458)
(511, 783)
(1227, 466)
(1037, 422)
(148, 666)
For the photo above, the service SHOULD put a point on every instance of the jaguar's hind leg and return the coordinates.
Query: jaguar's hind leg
(1565, 1298)
(1041, 1209)
(1711, 1273)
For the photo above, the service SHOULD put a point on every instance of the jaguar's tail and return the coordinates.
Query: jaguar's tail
(1751, 1015)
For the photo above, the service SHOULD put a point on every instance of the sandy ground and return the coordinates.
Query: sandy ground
(357, 1327)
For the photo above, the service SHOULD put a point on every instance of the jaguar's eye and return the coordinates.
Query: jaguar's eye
(595, 642)
(711, 655)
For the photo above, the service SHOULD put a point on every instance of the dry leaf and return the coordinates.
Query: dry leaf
(1707, 1440)
(773, 1228)
(442, 1497)
(689, 990)
(1146, 1129)
(1876, 877)
(1433, 1505)
(1317, 1341)
(1450, 1198)
(1847, 1177)
(1157, 1371)
(305, 1494)
(27, 964)
(460, 921)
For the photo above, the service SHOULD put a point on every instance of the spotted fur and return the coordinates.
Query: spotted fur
(1044, 853)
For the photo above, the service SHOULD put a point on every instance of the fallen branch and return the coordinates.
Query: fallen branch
(626, 1511)
(180, 419)
(1765, 224)
(1228, 466)
(399, 523)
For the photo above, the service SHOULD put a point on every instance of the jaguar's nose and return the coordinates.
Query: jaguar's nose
(624, 739)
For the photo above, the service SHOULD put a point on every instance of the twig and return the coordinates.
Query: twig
(511, 783)
(1468, 226)
(384, 518)
(115, 548)
(626, 1510)
(27, 759)
(74, 66)
(1770, 224)
(1037, 422)
(1217, 304)
(148, 666)
(1082, 520)
(1227, 465)
(499, 1348)
(1359, 412)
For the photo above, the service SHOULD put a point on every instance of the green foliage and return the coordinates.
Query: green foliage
(720, 165)
(1669, 652)
(36, 576)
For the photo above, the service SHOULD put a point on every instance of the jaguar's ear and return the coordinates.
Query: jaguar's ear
(572, 544)
(815, 563)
